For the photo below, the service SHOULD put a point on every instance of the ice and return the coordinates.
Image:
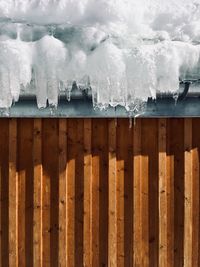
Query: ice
(49, 64)
(15, 69)
(125, 50)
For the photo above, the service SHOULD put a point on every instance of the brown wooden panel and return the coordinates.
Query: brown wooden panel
(196, 188)
(99, 192)
(115, 234)
(62, 192)
(176, 149)
(13, 194)
(137, 212)
(87, 250)
(50, 192)
(4, 193)
(37, 194)
(165, 198)
(25, 192)
(71, 166)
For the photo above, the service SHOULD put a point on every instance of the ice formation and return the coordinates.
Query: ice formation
(124, 50)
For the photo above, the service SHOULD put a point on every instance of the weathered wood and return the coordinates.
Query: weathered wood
(87, 193)
(96, 192)
(188, 194)
(50, 192)
(62, 192)
(37, 197)
(25, 192)
(99, 192)
(163, 191)
(119, 187)
(145, 176)
(13, 194)
(196, 190)
(71, 173)
(79, 193)
(112, 230)
(4, 192)
(137, 177)
(176, 138)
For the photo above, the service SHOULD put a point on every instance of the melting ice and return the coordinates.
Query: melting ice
(125, 50)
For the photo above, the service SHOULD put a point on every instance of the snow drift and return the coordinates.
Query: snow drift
(124, 50)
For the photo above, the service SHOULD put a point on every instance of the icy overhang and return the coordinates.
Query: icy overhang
(46, 47)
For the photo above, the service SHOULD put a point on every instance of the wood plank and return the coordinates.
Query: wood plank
(50, 192)
(87, 193)
(25, 192)
(177, 151)
(29, 197)
(79, 192)
(52, 158)
(153, 155)
(46, 193)
(119, 180)
(188, 193)
(164, 216)
(13, 194)
(100, 192)
(196, 191)
(170, 198)
(62, 192)
(137, 176)
(71, 162)
(112, 238)
(191, 201)
(103, 192)
(38, 205)
(96, 161)
(146, 126)
(127, 153)
(4, 192)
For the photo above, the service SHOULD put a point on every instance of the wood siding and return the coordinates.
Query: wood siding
(99, 192)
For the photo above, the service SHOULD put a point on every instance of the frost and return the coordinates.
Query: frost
(125, 50)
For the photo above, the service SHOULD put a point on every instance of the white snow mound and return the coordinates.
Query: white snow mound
(124, 50)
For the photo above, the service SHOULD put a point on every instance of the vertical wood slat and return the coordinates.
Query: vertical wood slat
(137, 217)
(145, 194)
(25, 192)
(4, 192)
(188, 193)
(178, 159)
(62, 192)
(120, 183)
(21, 192)
(87, 250)
(196, 188)
(96, 160)
(163, 231)
(112, 238)
(13, 194)
(37, 198)
(176, 140)
(71, 166)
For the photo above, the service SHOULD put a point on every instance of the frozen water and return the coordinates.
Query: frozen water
(125, 50)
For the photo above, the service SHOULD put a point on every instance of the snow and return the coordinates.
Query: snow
(125, 50)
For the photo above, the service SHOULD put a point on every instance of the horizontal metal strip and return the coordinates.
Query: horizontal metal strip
(81, 108)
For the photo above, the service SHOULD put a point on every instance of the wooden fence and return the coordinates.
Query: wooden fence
(97, 192)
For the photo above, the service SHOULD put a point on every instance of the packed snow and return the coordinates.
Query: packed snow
(125, 51)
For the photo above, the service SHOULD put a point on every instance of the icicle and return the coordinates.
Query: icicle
(175, 97)
(5, 112)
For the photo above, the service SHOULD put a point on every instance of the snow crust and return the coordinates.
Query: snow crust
(125, 50)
